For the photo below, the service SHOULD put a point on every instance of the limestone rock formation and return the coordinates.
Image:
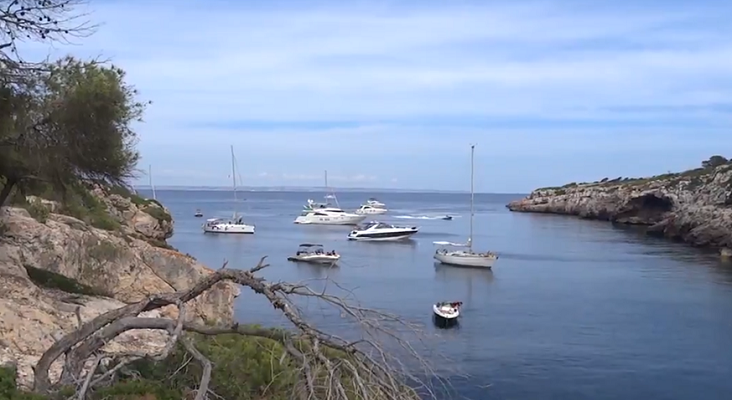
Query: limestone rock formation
(121, 264)
(694, 206)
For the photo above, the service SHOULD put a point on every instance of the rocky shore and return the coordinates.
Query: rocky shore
(114, 266)
(694, 206)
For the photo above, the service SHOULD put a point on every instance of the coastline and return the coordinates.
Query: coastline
(693, 206)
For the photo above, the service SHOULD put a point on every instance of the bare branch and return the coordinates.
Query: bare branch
(205, 362)
(330, 367)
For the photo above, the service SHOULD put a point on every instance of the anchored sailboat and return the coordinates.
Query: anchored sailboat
(236, 224)
(466, 258)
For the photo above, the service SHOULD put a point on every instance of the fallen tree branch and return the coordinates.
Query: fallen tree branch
(330, 367)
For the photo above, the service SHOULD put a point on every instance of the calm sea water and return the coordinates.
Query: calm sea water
(572, 310)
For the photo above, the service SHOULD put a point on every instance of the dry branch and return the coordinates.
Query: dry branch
(39, 21)
(330, 367)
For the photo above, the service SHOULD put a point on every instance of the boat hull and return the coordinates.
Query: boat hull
(315, 259)
(229, 228)
(444, 317)
(350, 219)
(365, 237)
(468, 261)
(372, 211)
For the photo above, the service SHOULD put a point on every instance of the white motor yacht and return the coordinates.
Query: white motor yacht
(326, 213)
(328, 216)
(375, 203)
(379, 231)
(366, 209)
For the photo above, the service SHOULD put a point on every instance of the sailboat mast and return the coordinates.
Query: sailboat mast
(149, 175)
(472, 195)
(233, 177)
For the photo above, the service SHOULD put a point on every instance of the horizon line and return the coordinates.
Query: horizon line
(286, 188)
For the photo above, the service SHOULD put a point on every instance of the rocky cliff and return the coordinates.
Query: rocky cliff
(693, 206)
(107, 267)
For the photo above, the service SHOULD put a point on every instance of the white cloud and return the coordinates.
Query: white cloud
(575, 68)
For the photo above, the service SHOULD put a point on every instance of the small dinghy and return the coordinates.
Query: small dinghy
(198, 213)
(314, 253)
(446, 313)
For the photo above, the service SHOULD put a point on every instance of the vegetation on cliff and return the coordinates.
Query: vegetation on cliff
(708, 166)
(66, 132)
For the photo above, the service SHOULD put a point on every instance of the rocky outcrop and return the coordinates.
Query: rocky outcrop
(121, 265)
(693, 206)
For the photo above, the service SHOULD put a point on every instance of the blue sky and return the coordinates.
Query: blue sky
(391, 93)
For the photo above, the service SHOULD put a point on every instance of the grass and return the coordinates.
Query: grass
(245, 368)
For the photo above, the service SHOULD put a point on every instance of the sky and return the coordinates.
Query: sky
(390, 94)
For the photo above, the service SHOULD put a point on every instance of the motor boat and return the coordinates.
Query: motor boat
(375, 203)
(328, 216)
(367, 209)
(218, 225)
(379, 231)
(198, 214)
(314, 253)
(446, 313)
(447, 218)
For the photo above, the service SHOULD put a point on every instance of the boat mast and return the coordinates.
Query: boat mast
(472, 196)
(149, 175)
(233, 177)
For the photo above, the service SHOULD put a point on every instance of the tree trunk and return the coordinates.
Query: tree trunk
(7, 189)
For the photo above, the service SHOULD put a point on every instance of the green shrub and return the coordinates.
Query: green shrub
(38, 210)
(158, 213)
(81, 204)
(52, 280)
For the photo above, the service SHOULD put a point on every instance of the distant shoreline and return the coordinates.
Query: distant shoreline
(310, 189)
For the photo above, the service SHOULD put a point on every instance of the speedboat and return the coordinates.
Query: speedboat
(447, 217)
(218, 225)
(446, 312)
(375, 203)
(314, 253)
(379, 231)
(367, 209)
(328, 216)
(198, 214)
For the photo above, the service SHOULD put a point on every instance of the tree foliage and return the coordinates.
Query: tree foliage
(71, 123)
(714, 161)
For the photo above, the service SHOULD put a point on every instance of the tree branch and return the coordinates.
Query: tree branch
(330, 367)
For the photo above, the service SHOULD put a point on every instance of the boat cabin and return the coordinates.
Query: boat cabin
(312, 248)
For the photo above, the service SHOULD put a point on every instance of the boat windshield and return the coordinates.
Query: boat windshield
(376, 225)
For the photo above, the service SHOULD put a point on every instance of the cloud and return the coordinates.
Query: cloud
(400, 87)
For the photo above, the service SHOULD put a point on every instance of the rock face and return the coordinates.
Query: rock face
(122, 264)
(693, 206)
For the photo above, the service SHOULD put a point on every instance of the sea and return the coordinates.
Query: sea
(572, 309)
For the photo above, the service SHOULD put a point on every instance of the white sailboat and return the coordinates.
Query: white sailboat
(467, 257)
(327, 214)
(236, 223)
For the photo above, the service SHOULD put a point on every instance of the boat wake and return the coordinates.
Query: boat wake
(425, 217)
